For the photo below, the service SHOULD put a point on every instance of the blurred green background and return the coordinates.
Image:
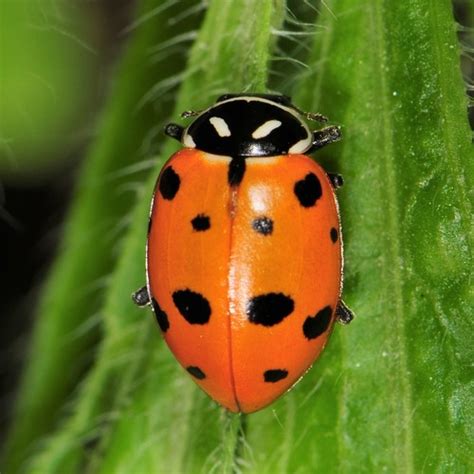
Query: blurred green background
(57, 64)
(54, 65)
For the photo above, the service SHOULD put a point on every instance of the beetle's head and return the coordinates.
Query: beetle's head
(249, 125)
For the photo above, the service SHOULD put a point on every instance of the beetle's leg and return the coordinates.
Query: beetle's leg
(141, 298)
(174, 130)
(336, 180)
(324, 137)
(343, 314)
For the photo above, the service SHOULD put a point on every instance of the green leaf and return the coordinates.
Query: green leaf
(394, 390)
(69, 318)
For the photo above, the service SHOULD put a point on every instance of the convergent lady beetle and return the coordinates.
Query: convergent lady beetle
(244, 254)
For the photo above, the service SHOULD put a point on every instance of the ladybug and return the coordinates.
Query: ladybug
(244, 250)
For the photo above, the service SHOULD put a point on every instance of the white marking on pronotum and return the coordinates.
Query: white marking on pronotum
(220, 125)
(301, 146)
(266, 129)
(188, 141)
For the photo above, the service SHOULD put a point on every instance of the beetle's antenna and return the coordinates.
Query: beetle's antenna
(190, 113)
(313, 116)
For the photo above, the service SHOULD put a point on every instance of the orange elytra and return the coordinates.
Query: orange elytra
(244, 253)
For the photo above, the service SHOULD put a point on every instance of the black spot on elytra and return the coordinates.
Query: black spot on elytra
(269, 309)
(160, 315)
(236, 172)
(150, 223)
(314, 326)
(308, 190)
(196, 372)
(334, 235)
(263, 225)
(169, 183)
(274, 375)
(194, 308)
(201, 222)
